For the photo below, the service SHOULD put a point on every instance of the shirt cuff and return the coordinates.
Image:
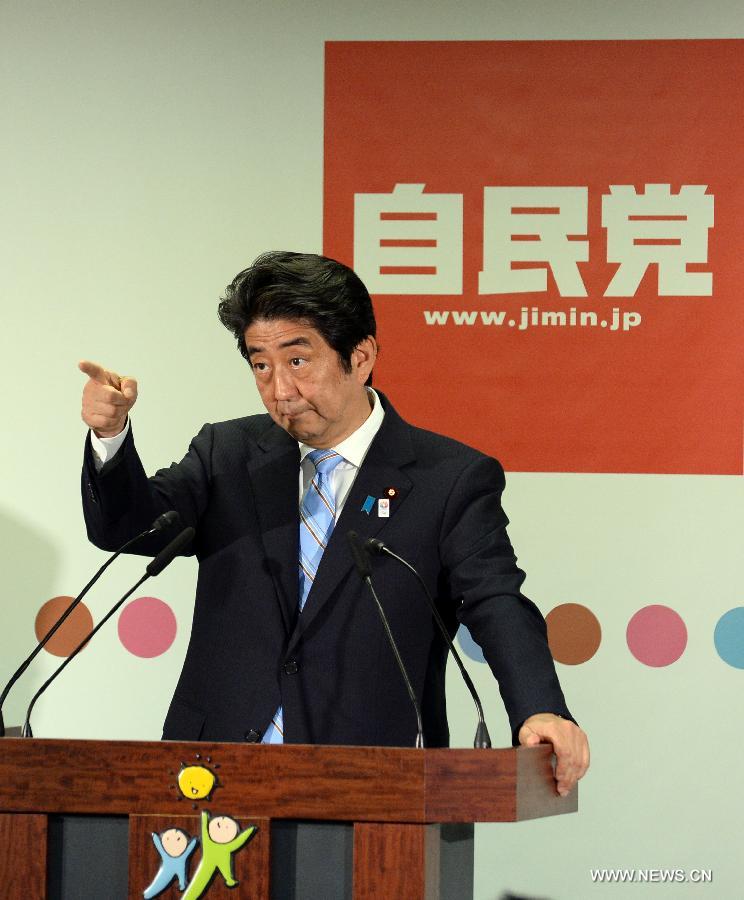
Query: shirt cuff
(105, 448)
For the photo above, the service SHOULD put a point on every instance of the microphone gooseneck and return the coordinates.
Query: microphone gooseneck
(163, 522)
(482, 737)
(163, 559)
(364, 567)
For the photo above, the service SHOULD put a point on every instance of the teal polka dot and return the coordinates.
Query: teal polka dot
(729, 637)
(468, 645)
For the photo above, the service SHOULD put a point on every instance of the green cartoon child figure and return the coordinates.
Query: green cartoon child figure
(220, 838)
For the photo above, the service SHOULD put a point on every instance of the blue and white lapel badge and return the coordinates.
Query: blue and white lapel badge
(383, 503)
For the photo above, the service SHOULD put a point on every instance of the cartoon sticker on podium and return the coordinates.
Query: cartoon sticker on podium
(221, 837)
(175, 848)
(196, 782)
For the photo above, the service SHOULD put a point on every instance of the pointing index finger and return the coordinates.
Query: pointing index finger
(98, 373)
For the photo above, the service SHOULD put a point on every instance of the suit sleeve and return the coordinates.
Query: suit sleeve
(485, 583)
(120, 501)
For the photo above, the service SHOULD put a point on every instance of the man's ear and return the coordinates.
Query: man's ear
(363, 358)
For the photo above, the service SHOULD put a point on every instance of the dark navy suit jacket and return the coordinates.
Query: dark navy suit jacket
(331, 667)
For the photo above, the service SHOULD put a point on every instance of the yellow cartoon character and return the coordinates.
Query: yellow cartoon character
(196, 782)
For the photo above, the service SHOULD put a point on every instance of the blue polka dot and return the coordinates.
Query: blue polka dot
(468, 645)
(729, 637)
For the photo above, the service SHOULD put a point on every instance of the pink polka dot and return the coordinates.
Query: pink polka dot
(147, 627)
(656, 636)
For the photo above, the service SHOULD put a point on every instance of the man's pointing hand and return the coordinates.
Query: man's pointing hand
(107, 399)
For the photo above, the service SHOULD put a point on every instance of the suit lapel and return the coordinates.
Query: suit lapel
(390, 451)
(274, 477)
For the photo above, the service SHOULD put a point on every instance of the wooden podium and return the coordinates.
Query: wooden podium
(395, 800)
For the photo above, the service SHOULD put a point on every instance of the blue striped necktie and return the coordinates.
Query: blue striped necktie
(317, 518)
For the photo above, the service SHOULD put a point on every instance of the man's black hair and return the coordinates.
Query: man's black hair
(326, 294)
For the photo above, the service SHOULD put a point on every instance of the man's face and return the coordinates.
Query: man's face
(302, 384)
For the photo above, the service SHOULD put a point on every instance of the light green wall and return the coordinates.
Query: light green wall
(150, 150)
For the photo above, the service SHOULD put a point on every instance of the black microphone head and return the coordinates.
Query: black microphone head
(167, 520)
(374, 545)
(169, 553)
(361, 559)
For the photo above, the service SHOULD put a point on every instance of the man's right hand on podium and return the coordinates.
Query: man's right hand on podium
(107, 399)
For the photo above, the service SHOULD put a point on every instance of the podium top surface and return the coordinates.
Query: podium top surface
(379, 784)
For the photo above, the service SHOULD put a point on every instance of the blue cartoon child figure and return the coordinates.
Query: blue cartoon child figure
(221, 838)
(175, 848)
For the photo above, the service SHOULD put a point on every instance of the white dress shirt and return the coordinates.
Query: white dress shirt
(353, 449)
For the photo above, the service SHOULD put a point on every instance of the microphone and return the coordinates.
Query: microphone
(364, 567)
(361, 557)
(163, 559)
(482, 737)
(169, 553)
(163, 522)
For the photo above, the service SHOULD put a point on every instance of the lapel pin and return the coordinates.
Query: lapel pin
(368, 505)
(383, 508)
(391, 492)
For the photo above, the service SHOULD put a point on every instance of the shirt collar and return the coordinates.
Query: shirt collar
(354, 448)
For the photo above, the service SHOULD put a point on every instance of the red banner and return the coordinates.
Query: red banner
(552, 233)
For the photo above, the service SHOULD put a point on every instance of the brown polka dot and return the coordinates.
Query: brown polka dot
(574, 634)
(71, 632)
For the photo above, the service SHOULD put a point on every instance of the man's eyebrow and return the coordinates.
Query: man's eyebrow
(294, 342)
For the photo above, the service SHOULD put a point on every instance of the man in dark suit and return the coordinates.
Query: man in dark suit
(288, 646)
